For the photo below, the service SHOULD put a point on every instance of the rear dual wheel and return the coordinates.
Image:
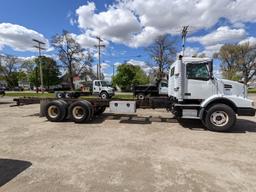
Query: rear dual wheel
(81, 111)
(56, 111)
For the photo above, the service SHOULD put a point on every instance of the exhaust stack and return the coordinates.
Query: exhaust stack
(181, 79)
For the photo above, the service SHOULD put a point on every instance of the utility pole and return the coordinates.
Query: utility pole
(184, 33)
(40, 48)
(99, 46)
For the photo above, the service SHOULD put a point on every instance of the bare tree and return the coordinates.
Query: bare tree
(70, 54)
(86, 67)
(247, 61)
(8, 68)
(238, 61)
(162, 51)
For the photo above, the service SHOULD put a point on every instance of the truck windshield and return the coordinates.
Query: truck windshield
(105, 84)
(197, 71)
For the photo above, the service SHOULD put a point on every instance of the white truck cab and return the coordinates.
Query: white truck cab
(103, 89)
(197, 94)
(163, 87)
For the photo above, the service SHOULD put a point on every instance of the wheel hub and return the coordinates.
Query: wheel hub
(78, 112)
(53, 111)
(219, 118)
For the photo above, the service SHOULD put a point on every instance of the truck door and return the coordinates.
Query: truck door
(96, 87)
(163, 88)
(199, 85)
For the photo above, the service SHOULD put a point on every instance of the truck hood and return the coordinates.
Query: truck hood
(228, 87)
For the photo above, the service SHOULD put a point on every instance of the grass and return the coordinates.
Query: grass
(28, 94)
(252, 90)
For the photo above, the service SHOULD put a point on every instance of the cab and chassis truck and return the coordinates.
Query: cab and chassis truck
(193, 93)
(100, 88)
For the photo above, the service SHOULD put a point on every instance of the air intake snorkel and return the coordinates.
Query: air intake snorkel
(181, 79)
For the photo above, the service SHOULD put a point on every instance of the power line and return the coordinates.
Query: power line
(99, 46)
(40, 48)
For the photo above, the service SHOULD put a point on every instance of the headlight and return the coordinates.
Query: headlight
(252, 103)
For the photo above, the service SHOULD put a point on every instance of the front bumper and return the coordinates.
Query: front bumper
(246, 111)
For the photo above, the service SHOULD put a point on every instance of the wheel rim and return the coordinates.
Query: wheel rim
(53, 111)
(141, 97)
(103, 96)
(78, 112)
(219, 118)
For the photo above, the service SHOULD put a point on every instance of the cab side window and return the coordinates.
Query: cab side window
(197, 71)
(97, 83)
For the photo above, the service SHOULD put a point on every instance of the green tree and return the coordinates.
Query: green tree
(129, 75)
(9, 69)
(34, 77)
(50, 70)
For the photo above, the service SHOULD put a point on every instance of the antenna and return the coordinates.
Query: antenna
(184, 33)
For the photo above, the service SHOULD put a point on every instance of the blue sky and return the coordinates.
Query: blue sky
(126, 26)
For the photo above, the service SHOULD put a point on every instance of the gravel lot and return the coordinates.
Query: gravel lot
(147, 152)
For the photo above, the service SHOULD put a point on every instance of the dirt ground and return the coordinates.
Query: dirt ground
(147, 152)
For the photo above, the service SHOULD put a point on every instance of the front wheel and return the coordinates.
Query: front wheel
(141, 96)
(104, 95)
(220, 117)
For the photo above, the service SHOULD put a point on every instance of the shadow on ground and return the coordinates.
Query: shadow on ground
(241, 126)
(5, 102)
(132, 119)
(10, 168)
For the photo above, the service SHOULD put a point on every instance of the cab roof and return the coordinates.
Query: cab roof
(196, 59)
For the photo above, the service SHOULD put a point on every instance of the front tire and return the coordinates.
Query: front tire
(220, 117)
(141, 96)
(104, 95)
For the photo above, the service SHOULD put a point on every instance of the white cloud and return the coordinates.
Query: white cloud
(85, 40)
(145, 37)
(144, 66)
(210, 50)
(115, 24)
(117, 64)
(138, 23)
(19, 38)
(104, 67)
(189, 52)
(222, 35)
(250, 40)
